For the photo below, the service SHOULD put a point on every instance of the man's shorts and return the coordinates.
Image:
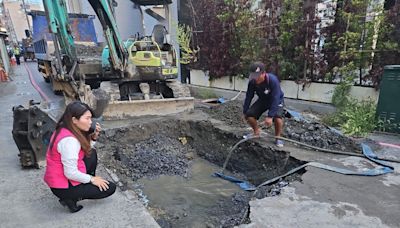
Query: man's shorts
(259, 107)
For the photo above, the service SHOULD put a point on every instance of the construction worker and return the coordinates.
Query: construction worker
(270, 97)
(17, 54)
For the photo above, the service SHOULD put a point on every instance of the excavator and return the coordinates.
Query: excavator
(140, 79)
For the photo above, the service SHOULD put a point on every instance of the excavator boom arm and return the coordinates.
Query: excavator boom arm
(57, 16)
(118, 52)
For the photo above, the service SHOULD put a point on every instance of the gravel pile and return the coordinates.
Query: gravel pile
(158, 155)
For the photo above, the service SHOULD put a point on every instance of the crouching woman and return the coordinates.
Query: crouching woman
(71, 163)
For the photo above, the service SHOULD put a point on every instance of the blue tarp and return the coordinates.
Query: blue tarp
(297, 116)
(242, 184)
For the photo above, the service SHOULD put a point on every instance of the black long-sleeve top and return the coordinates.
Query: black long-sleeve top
(269, 91)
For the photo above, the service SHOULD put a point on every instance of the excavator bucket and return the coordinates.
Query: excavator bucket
(32, 129)
(117, 109)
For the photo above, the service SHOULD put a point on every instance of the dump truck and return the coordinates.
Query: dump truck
(83, 32)
(121, 90)
(27, 48)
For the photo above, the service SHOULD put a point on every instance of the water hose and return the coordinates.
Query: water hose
(233, 148)
(235, 97)
(329, 150)
(300, 143)
(366, 153)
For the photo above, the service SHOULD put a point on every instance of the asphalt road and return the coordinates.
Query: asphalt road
(39, 84)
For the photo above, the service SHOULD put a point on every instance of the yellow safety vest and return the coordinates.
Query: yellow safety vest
(16, 51)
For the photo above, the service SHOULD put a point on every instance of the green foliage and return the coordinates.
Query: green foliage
(331, 119)
(290, 65)
(351, 38)
(389, 41)
(188, 54)
(341, 92)
(354, 118)
(239, 21)
(283, 34)
(358, 118)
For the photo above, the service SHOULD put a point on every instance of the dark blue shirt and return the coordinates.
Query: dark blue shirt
(268, 91)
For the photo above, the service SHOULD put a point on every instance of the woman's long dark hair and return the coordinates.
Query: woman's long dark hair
(75, 109)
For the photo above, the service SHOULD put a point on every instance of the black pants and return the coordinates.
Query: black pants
(85, 191)
(259, 107)
(17, 59)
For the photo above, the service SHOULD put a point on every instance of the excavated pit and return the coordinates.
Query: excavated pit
(170, 163)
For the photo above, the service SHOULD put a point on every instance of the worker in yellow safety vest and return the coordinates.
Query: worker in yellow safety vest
(17, 54)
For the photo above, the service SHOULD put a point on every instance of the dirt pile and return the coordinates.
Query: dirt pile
(88, 50)
(229, 112)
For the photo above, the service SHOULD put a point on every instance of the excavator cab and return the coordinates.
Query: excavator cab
(153, 57)
(105, 55)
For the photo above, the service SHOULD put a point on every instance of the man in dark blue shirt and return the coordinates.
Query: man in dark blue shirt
(270, 97)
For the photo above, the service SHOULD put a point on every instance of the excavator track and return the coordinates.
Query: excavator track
(179, 89)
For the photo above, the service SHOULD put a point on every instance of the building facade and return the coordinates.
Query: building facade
(15, 19)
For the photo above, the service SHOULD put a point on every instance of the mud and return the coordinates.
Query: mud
(310, 132)
(159, 150)
(168, 162)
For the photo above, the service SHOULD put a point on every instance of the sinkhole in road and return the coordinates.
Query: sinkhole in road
(169, 164)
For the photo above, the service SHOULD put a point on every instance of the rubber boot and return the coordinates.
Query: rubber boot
(71, 204)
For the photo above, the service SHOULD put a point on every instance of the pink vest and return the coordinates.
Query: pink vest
(54, 176)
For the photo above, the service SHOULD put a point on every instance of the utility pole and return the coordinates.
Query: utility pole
(362, 41)
(27, 18)
(345, 43)
(306, 49)
(346, 35)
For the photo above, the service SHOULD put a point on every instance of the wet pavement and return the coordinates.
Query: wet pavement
(26, 201)
(323, 198)
(328, 199)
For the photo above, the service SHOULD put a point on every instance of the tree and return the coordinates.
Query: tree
(209, 36)
(350, 39)
(188, 53)
(388, 44)
(240, 24)
(290, 32)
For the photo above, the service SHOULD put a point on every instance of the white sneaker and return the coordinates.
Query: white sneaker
(279, 143)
